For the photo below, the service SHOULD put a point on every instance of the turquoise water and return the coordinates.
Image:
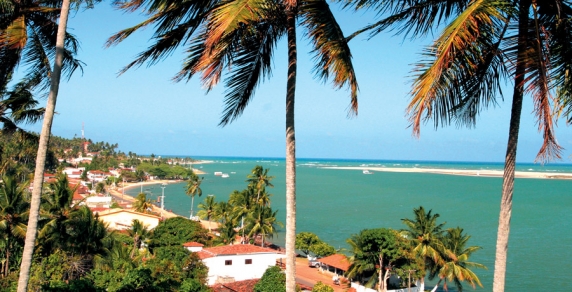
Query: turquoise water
(335, 204)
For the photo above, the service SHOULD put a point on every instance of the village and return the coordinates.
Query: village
(236, 266)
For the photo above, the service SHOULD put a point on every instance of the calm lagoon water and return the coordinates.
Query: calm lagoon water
(335, 204)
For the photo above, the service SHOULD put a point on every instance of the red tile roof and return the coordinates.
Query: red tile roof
(233, 250)
(238, 286)
(339, 261)
(193, 244)
(98, 209)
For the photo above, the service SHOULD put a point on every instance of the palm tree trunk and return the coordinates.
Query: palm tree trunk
(510, 159)
(291, 153)
(192, 203)
(31, 231)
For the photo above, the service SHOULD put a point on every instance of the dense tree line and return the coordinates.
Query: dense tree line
(247, 211)
(75, 250)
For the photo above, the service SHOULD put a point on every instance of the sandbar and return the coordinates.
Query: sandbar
(463, 172)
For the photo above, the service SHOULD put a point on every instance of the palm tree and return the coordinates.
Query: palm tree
(86, 236)
(241, 35)
(139, 233)
(223, 212)
(13, 215)
(194, 188)
(456, 265)
(18, 106)
(62, 39)
(262, 221)
(55, 210)
(425, 234)
(27, 35)
(207, 209)
(142, 204)
(484, 42)
(259, 179)
(242, 204)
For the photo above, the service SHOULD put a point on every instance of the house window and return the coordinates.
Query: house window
(228, 263)
(248, 261)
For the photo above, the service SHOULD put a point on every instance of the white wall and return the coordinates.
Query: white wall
(123, 220)
(239, 270)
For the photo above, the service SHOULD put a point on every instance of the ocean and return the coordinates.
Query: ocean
(335, 203)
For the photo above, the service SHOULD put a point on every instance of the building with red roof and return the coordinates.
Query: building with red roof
(238, 286)
(239, 262)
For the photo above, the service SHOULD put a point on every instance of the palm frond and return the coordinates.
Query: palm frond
(331, 51)
(437, 88)
(251, 65)
(416, 18)
(538, 84)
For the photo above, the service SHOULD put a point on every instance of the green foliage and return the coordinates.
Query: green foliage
(192, 285)
(305, 240)
(273, 280)
(14, 209)
(139, 279)
(322, 249)
(176, 231)
(83, 285)
(371, 245)
(308, 242)
(321, 287)
(165, 171)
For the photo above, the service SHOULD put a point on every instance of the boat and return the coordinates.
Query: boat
(224, 175)
(367, 172)
(219, 173)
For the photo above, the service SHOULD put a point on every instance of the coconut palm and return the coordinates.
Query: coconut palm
(259, 179)
(12, 34)
(55, 210)
(456, 267)
(13, 216)
(425, 234)
(18, 106)
(194, 188)
(207, 209)
(242, 204)
(142, 204)
(223, 212)
(241, 36)
(27, 37)
(86, 236)
(139, 232)
(483, 43)
(262, 221)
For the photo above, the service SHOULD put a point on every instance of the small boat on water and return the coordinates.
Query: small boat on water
(367, 172)
(219, 173)
(224, 175)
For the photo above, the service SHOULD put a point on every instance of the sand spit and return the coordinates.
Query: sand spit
(464, 172)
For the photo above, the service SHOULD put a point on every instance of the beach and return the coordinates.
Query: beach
(463, 172)
(335, 200)
(121, 197)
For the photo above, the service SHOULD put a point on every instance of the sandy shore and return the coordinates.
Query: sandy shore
(120, 197)
(464, 172)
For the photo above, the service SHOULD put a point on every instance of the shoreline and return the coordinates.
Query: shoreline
(119, 196)
(461, 172)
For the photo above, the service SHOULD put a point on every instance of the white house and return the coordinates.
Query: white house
(193, 246)
(73, 172)
(97, 176)
(120, 219)
(98, 201)
(238, 262)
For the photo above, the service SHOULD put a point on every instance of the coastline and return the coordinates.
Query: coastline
(119, 196)
(462, 172)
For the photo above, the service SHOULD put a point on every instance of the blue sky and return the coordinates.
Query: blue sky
(145, 112)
